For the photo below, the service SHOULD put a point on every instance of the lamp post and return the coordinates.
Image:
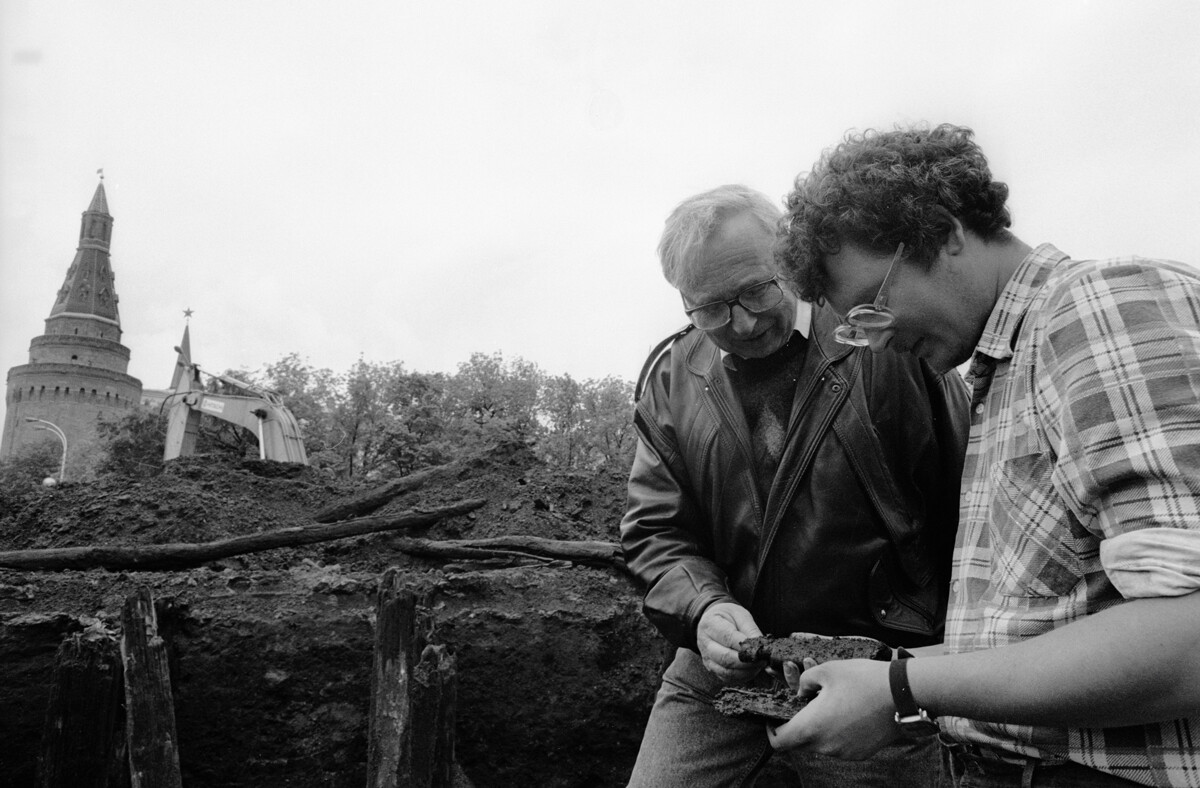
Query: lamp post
(42, 424)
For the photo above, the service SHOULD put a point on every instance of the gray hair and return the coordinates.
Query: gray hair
(697, 218)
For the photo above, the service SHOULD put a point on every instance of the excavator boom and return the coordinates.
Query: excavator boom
(263, 413)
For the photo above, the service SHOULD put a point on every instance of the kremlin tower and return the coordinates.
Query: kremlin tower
(77, 369)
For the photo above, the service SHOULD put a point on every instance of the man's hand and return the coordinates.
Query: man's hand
(721, 630)
(850, 714)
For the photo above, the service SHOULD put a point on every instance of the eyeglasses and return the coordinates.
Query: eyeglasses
(754, 299)
(868, 317)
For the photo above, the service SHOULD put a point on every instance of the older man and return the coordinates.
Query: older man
(782, 483)
(1074, 623)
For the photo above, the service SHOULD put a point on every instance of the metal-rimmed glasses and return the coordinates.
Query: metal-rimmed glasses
(868, 317)
(755, 299)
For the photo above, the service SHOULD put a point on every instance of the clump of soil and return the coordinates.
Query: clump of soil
(819, 648)
(271, 652)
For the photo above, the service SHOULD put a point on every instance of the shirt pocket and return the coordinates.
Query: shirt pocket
(1038, 547)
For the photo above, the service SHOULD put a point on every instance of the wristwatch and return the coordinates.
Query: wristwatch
(911, 718)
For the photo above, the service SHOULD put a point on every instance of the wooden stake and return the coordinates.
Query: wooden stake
(149, 709)
(82, 741)
(434, 698)
(388, 719)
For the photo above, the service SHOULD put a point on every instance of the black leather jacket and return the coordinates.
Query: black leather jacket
(856, 533)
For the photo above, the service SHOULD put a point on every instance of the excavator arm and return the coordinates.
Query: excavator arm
(262, 412)
(276, 427)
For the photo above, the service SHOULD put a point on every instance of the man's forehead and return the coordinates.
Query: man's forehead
(722, 277)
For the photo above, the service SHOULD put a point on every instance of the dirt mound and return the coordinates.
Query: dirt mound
(272, 650)
(201, 499)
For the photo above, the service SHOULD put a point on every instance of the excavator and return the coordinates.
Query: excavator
(257, 409)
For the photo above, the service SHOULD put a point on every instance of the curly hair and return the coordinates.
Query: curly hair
(877, 189)
(698, 217)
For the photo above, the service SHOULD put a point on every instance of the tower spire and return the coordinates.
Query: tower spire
(89, 288)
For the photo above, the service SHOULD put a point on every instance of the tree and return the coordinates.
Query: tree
(29, 465)
(588, 425)
(489, 400)
(416, 437)
(564, 442)
(608, 408)
(313, 396)
(133, 444)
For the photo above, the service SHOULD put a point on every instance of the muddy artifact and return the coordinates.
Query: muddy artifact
(776, 705)
(781, 703)
(820, 648)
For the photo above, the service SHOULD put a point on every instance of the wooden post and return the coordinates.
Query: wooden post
(434, 696)
(149, 709)
(82, 741)
(388, 722)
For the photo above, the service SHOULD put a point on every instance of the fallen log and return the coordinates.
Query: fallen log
(578, 552)
(373, 499)
(186, 556)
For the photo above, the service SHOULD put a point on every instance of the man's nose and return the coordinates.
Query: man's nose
(742, 320)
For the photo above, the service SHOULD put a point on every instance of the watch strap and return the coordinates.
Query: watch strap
(902, 697)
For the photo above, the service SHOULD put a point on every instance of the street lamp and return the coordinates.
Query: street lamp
(42, 424)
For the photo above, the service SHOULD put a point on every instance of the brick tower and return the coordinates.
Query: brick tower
(77, 369)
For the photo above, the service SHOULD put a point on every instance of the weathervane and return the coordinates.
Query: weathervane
(100, 172)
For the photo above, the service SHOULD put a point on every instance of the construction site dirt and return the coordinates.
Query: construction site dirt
(271, 652)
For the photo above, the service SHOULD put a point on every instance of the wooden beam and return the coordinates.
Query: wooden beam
(185, 556)
(579, 552)
(373, 499)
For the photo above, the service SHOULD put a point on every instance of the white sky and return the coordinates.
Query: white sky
(418, 181)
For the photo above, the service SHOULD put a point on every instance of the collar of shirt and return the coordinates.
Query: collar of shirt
(999, 332)
(803, 322)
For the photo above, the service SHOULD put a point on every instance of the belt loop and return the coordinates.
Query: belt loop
(952, 763)
(1027, 773)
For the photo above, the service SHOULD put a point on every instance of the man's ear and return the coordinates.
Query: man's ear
(955, 237)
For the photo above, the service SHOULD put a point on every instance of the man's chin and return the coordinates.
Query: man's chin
(760, 348)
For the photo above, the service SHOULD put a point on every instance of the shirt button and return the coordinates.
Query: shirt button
(954, 587)
(979, 408)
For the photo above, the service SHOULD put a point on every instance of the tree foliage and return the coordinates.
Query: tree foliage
(133, 444)
(381, 419)
(386, 419)
(30, 464)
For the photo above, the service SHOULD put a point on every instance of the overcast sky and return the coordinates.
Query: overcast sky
(415, 182)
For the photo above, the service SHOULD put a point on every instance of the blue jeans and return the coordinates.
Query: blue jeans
(690, 744)
(967, 770)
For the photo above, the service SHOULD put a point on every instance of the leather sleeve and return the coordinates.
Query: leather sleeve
(662, 527)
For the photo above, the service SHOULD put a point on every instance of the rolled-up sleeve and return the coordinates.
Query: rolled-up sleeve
(1123, 351)
(1153, 562)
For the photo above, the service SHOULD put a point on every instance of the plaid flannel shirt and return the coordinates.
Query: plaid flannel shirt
(1082, 482)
